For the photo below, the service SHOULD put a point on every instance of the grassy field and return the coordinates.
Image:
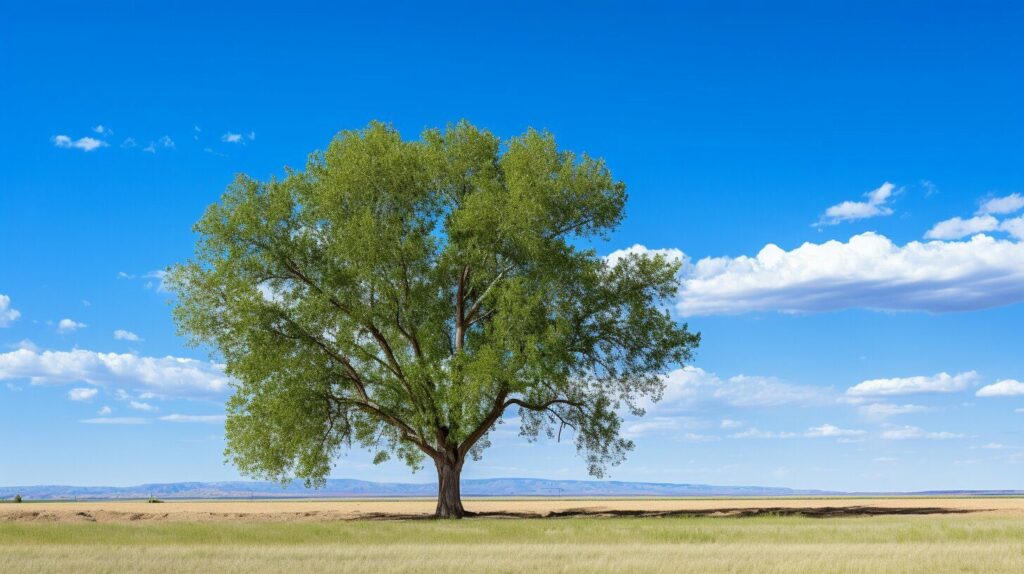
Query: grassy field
(976, 542)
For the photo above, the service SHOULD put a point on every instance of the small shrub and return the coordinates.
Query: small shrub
(154, 500)
(17, 498)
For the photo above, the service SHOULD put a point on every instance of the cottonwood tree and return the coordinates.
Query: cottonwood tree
(403, 296)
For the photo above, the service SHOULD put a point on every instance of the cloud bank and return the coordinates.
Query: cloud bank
(939, 383)
(167, 375)
(868, 271)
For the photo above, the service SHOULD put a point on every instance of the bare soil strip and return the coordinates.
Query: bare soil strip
(413, 509)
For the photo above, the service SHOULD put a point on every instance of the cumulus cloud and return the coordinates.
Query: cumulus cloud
(193, 418)
(615, 257)
(691, 386)
(1004, 388)
(231, 138)
(166, 142)
(105, 410)
(1014, 227)
(82, 394)
(730, 424)
(957, 228)
(8, 314)
(872, 206)
(129, 143)
(909, 432)
(939, 383)
(102, 130)
(167, 375)
(868, 271)
(832, 431)
(123, 335)
(1002, 205)
(25, 344)
(69, 326)
(86, 144)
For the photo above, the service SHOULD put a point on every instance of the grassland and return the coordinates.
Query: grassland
(935, 543)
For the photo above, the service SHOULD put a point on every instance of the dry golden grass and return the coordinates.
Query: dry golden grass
(277, 536)
(289, 510)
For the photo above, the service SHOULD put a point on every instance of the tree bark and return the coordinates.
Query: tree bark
(449, 495)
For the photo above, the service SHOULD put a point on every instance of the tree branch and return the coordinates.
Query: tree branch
(489, 420)
(471, 315)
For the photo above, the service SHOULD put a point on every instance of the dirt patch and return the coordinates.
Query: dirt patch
(409, 509)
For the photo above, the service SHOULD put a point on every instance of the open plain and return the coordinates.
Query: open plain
(510, 535)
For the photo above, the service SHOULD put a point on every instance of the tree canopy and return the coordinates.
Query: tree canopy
(402, 296)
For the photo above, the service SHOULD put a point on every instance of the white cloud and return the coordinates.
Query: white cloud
(151, 148)
(86, 144)
(613, 258)
(909, 432)
(1004, 388)
(690, 386)
(873, 206)
(8, 314)
(193, 418)
(251, 136)
(1002, 205)
(26, 344)
(868, 271)
(105, 410)
(167, 375)
(167, 142)
(939, 383)
(13, 387)
(142, 406)
(101, 129)
(160, 276)
(755, 432)
(832, 431)
(68, 326)
(82, 394)
(653, 425)
(993, 446)
(1014, 227)
(957, 228)
(122, 335)
(731, 424)
(115, 421)
(129, 143)
(879, 411)
(231, 138)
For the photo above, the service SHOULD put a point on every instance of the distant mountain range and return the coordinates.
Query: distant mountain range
(348, 488)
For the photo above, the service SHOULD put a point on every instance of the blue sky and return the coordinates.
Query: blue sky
(805, 161)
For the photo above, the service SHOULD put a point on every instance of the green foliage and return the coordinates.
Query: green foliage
(17, 498)
(402, 295)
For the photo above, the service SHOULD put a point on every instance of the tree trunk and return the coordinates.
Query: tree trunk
(449, 496)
